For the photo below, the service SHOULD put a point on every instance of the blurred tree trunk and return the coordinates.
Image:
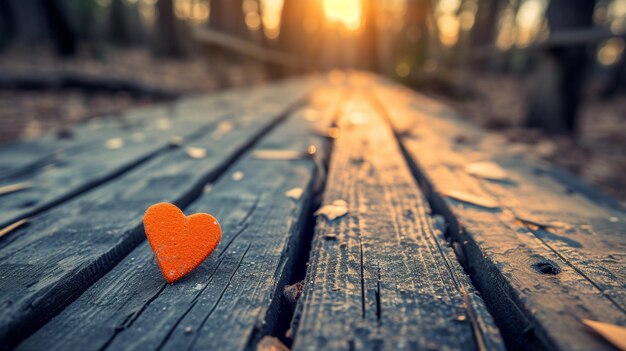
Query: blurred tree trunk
(119, 31)
(617, 79)
(558, 82)
(60, 23)
(369, 36)
(167, 43)
(8, 27)
(228, 17)
(485, 28)
(417, 35)
(292, 34)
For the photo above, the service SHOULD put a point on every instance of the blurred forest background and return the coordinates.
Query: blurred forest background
(549, 76)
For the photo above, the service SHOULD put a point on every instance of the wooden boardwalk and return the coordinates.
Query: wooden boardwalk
(356, 214)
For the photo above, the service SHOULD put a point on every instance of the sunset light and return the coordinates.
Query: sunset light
(345, 12)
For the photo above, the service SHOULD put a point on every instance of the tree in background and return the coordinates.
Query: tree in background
(556, 89)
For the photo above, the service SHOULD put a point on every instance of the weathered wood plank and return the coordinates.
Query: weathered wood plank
(231, 299)
(115, 150)
(382, 276)
(546, 257)
(47, 264)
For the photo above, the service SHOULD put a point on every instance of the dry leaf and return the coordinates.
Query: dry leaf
(337, 209)
(222, 128)
(270, 343)
(196, 152)
(7, 189)
(614, 334)
(114, 143)
(471, 199)
(11, 227)
(535, 224)
(277, 154)
(176, 140)
(310, 114)
(138, 137)
(237, 176)
(294, 193)
(333, 132)
(487, 170)
(162, 123)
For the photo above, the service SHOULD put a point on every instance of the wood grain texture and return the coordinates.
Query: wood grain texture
(48, 263)
(109, 151)
(551, 253)
(382, 277)
(232, 299)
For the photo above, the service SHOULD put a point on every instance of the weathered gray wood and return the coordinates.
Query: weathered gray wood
(233, 298)
(548, 256)
(81, 167)
(382, 276)
(47, 264)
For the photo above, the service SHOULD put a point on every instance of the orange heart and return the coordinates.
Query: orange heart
(180, 243)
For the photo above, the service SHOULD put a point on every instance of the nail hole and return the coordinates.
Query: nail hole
(547, 267)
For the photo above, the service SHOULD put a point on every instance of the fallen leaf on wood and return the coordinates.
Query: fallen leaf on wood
(222, 128)
(538, 225)
(11, 227)
(176, 140)
(337, 209)
(237, 176)
(278, 154)
(196, 152)
(470, 199)
(294, 193)
(270, 343)
(138, 137)
(7, 189)
(114, 143)
(614, 334)
(163, 123)
(487, 170)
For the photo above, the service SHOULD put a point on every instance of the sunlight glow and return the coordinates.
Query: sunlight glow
(270, 16)
(345, 12)
(611, 51)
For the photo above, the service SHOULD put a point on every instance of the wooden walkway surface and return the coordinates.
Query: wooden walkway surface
(356, 214)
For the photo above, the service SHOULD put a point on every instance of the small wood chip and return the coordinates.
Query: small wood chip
(176, 140)
(487, 170)
(11, 227)
(470, 199)
(162, 123)
(294, 193)
(138, 137)
(614, 334)
(278, 154)
(222, 128)
(337, 209)
(11, 188)
(311, 150)
(237, 176)
(333, 132)
(196, 152)
(114, 143)
(270, 343)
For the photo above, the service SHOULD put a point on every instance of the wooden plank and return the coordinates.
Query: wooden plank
(232, 299)
(116, 150)
(48, 263)
(547, 257)
(31, 155)
(382, 276)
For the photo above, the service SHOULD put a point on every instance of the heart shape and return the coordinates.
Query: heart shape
(180, 243)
